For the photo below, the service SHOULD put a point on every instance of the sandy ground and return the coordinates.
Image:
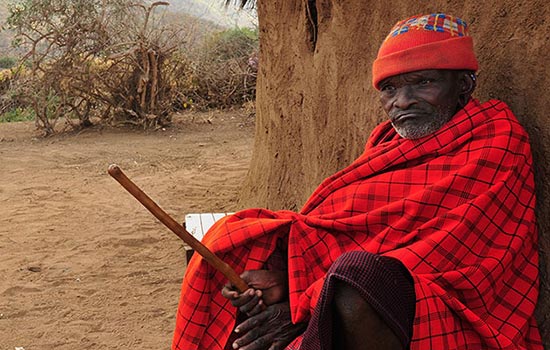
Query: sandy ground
(82, 264)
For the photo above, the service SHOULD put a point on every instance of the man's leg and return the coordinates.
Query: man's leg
(356, 325)
(367, 302)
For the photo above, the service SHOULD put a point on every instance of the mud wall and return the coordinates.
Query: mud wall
(316, 106)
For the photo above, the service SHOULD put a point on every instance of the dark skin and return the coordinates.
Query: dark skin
(418, 104)
(356, 325)
(269, 324)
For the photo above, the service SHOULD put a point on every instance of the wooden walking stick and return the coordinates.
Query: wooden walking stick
(181, 232)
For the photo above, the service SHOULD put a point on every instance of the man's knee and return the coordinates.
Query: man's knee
(348, 303)
(358, 326)
(374, 290)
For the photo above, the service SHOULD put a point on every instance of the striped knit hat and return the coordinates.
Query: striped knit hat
(433, 41)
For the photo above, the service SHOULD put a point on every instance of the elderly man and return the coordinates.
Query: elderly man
(427, 241)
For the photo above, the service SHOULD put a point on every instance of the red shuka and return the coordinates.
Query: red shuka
(456, 207)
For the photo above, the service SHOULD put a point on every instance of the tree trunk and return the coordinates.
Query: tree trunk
(316, 105)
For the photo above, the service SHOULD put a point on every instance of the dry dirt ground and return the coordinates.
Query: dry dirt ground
(82, 264)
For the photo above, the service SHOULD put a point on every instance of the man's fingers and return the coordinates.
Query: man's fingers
(259, 307)
(238, 299)
(254, 340)
(251, 305)
(254, 305)
(229, 293)
(245, 298)
(252, 322)
(271, 329)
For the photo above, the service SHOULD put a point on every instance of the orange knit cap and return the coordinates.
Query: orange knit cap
(433, 41)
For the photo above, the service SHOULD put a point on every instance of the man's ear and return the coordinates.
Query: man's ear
(467, 81)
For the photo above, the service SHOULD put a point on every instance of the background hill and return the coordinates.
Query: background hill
(214, 10)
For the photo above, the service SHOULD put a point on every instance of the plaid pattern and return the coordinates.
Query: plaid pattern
(435, 22)
(456, 207)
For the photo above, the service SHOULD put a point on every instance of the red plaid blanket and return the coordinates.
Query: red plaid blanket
(456, 207)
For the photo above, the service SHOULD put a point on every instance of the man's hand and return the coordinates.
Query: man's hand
(267, 287)
(270, 329)
(269, 326)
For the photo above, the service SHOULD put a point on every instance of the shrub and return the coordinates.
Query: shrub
(236, 43)
(18, 114)
(223, 72)
(110, 66)
(10, 99)
(7, 62)
(122, 65)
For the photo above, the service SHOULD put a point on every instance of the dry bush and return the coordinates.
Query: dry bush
(87, 58)
(11, 99)
(7, 100)
(123, 61)
(223, 70)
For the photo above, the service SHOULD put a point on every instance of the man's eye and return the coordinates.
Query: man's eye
(387, 88)
(426, 81)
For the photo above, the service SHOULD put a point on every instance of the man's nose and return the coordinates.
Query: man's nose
(404, 97)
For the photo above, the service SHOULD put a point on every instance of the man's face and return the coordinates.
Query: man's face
(420, 103)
